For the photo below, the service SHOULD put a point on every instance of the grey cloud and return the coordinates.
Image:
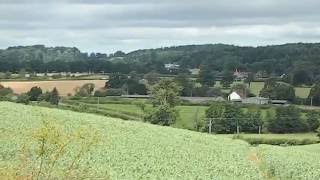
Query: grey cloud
(131, 24)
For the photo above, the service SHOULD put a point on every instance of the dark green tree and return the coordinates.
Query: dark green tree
(23, 99)
(117, 80)
(313, 120)
(227, 79)
(165, 96)
(185, 83)
(206, 76)
(287, 120)
(34, 93)
(54, 97)
(315, 94)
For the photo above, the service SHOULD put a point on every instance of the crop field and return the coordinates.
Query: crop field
(290, 162)
(130, 150)
(135, 150)
(64, 87)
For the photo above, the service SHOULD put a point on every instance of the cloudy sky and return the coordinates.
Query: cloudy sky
(109, 25)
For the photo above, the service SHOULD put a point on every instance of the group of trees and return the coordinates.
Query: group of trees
(298, 61)
(278, 90)
(165, 96)
(34, 94)
(229, 118)
(119, 84)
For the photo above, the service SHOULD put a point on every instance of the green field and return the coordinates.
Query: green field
(131, 150)
(135, 150)
(188, 114)
(302, 92)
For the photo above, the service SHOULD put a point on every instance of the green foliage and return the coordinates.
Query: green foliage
(227, 79)
(165, 97)
(313, 120)
(100, 93)
(276, 141)
(130, 150)
(206, 76)
(162, 115)
(34, 93)
(117, 80)
(54, 97)
(23, 98)
(166, 92)
(300, 77)
(315, 94)
(185, 83)
(152, 78)
(49, 153)
(289, 162)
(241, 89)
(5, 91)
(114, 92)
(287, 120)
(279, 91)
(85, 90)
(225, 118)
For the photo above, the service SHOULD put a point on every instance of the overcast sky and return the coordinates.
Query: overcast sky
(109, 25)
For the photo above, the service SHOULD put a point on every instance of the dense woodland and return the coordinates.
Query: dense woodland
(301, 59)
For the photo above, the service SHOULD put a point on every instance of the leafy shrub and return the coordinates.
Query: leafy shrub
(50, 154)
(23, 98)
(100, 93)
(114, 92)
(5, 91)
(276, 141)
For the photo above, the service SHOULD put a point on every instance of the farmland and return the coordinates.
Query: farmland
(64, 87)
(134, 150)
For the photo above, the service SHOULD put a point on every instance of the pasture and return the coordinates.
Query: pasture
(64, 87)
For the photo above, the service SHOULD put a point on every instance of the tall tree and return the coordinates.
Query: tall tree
(34, 93)
(54, 97)
(227, 79)
(165, 97)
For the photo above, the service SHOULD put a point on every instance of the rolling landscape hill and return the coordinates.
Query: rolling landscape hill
(135, 150)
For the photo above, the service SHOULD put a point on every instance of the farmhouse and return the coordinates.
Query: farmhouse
(234, 96)
(171, 67)
(239, 76)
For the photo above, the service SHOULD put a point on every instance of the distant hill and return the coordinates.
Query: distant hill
(41, 53)
(275, 59)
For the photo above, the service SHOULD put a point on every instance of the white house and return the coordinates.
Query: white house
(234, 96)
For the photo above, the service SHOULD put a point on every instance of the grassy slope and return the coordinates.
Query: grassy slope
(187, 113)
(134, 150)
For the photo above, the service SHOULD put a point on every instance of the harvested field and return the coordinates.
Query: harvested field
(64, 87)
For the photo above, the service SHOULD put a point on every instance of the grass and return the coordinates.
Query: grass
(302, 92)
(135, 150)
(279, 136)
(256, 87)
(130, 150)
(187, 113)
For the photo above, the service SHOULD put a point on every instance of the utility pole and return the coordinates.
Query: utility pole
(238, 130)
(210, 125)
(311, 103)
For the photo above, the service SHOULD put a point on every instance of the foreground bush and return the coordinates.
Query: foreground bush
(50, 154)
